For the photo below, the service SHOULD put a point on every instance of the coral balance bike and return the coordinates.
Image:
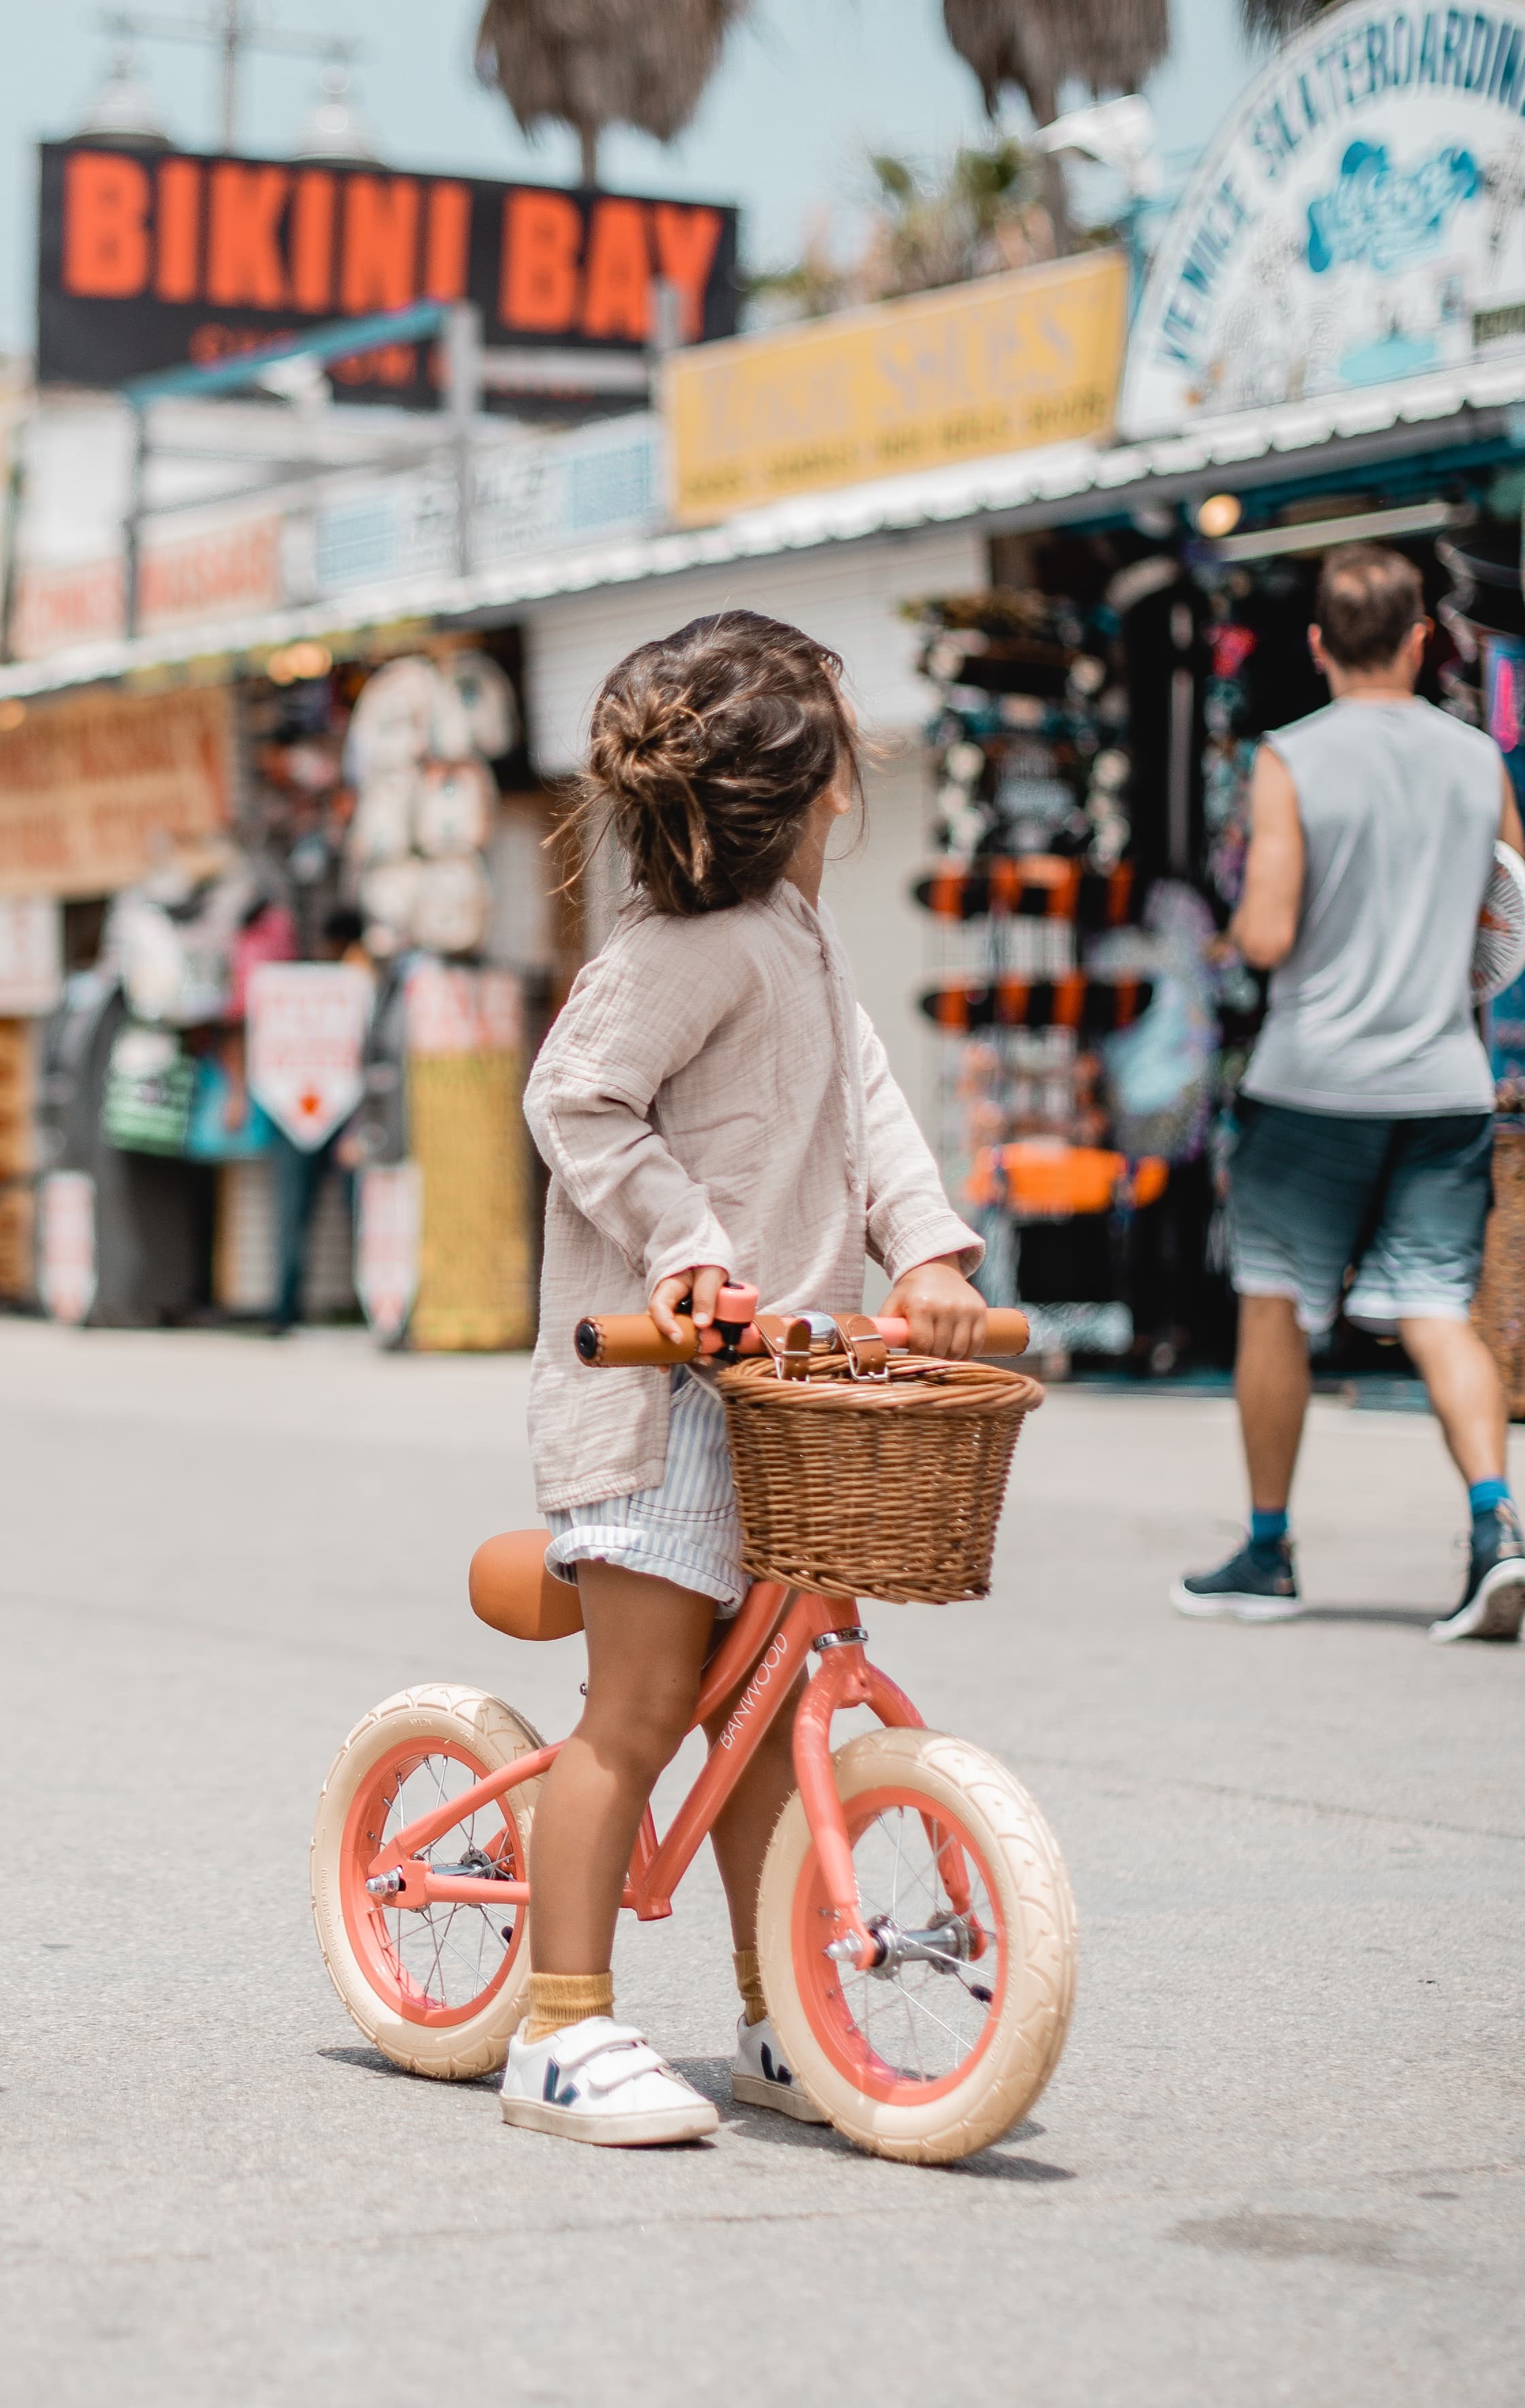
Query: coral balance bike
(916, 1931)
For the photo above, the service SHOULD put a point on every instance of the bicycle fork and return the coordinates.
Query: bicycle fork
(846, 1678)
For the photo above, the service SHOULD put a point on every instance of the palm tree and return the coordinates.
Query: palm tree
(1273, 21)
(1041, 45)
(589, 63)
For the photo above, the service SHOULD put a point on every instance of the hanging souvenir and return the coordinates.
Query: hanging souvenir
(394, 718)
(383, 826)
(452, 899)
(487, 695)
(387, 896)
(149, 1092)
(452, 811)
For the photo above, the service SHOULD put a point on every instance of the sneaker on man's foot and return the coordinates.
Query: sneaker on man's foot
(1493, 1601)
(1252, 1586)
(599, 2081)
(760, 2078)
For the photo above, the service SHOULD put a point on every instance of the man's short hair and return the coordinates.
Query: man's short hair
(1369, 598)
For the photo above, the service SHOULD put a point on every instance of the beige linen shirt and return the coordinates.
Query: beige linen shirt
(712, 1093)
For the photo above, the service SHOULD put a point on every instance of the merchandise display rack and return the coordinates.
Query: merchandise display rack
(1031, 739)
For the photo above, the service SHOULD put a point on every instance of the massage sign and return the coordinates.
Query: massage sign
(1357, 222)
(305, 1045)
(150, 262)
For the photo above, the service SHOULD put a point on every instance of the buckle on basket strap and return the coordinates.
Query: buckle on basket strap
(787, 1339)
(868, 1356)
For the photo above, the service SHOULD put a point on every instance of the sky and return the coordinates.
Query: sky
(806, 89)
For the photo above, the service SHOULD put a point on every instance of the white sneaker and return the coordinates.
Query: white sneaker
(760, 2078)
(599, 2081)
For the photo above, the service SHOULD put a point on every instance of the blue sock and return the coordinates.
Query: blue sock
(1267, 1531)
(1487, 1496)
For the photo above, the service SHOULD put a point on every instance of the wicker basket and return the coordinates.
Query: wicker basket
(1498, 1310)
(886, 1488)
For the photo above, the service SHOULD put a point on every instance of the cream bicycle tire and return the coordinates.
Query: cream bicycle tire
(381, 1969)
(1009, 1846)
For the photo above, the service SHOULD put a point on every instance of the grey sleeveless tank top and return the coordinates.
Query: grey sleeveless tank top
(1371, 1012)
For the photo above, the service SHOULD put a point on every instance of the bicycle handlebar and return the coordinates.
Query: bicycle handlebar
(622, 1340)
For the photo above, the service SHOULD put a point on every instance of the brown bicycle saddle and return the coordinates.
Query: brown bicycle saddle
(511, 1591)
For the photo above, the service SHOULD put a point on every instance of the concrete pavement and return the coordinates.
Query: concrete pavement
(1283, 2158)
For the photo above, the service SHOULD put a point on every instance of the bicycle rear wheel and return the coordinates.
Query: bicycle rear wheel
(437, 1988)
(944, 2048)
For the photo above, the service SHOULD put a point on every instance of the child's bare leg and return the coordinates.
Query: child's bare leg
(647, 1640)
(744, 1827)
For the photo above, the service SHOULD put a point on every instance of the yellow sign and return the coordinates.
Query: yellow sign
(1001, 365)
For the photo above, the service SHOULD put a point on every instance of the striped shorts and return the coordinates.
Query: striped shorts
(687, 1530)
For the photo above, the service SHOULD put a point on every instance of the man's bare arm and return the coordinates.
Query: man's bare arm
(1264, 927)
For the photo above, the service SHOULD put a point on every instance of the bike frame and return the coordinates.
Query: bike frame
(772, 1636)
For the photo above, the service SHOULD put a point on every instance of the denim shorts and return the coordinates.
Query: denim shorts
(688, 1530)
(1402, 1202)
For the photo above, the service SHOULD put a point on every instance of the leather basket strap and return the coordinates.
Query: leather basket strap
(787, 1339)
(867, 1354)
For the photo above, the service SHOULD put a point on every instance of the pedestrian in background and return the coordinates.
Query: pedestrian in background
(1365, 1117)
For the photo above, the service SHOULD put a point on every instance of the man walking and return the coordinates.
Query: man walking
(1365, 1131)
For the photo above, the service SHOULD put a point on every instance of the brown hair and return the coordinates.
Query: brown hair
(707, 748)
(1368, 599)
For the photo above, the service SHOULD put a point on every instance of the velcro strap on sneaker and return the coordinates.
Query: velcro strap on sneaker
(614, 2066)
(595, 2035)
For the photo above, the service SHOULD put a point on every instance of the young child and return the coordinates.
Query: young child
(713, 1102)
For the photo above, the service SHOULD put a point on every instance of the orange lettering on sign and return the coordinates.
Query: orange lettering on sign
(177, 230)
(243, 252)
(381, 243)
(447, 242)
(312, 241)
(618, 299)
(686, 241)
(542, 242)
(393, 364)
(105, 234)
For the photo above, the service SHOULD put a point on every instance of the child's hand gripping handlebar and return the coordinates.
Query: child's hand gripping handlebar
(625, 1339)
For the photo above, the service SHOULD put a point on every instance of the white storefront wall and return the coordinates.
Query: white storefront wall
(849, 596)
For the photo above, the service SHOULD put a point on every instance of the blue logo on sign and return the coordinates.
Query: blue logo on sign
(1386, 216)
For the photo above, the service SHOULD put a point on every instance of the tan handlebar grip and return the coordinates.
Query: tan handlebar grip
(628, 1341)
(620, 1341)
(1006, 1331)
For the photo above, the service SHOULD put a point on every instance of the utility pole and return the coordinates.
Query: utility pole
(232, 29)
(236, 34)
(463, 401)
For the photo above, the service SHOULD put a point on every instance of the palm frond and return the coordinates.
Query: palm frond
(590, 63)
(1040, 45)
(1275, 21)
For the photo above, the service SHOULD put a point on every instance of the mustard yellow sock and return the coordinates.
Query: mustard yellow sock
(557, 1999)
(749, 1982)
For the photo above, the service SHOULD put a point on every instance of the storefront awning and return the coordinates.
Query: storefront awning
(1071, 482)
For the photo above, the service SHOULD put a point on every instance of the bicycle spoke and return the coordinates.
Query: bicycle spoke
(432, 1949)
(900, 1859)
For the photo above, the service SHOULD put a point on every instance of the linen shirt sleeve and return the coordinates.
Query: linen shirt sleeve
(639, 1012)
(910, 1219)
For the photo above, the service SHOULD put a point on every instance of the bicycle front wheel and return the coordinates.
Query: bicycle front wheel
(942, 2049)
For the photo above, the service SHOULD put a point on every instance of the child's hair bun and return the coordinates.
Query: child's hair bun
(706, 751)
